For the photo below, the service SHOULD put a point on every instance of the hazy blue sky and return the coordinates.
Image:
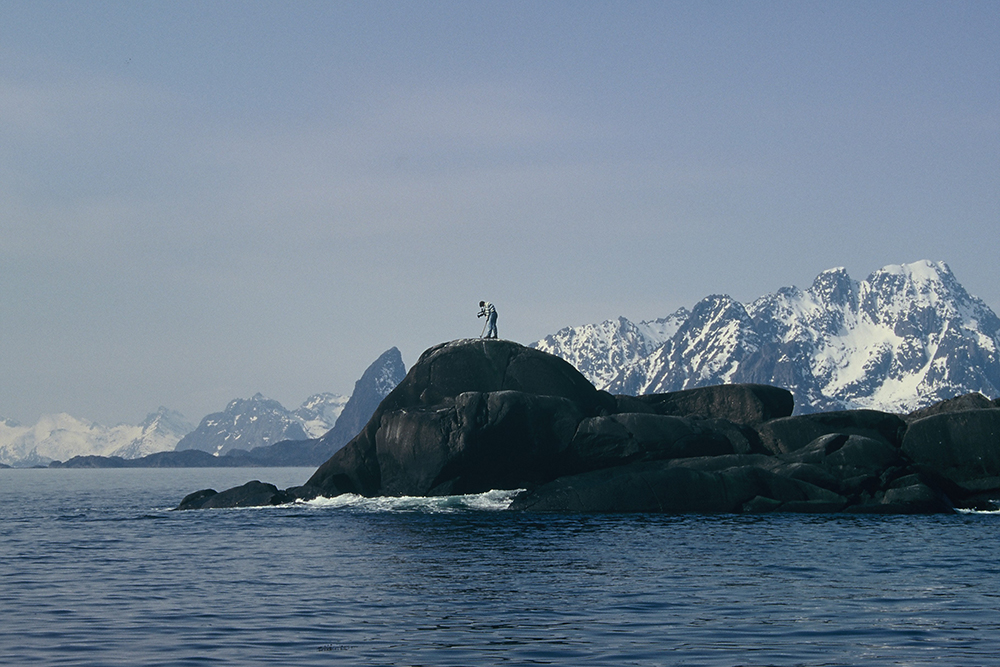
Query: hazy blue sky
(200, 201)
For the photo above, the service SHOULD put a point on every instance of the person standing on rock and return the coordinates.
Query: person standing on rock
(487, 310)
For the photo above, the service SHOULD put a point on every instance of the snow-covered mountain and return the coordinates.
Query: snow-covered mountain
(320, 412)
(380, 378)
(907, 336)
(601, 351)
(258, 421)
(60, 437)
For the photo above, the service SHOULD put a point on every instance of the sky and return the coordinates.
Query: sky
(200, 201)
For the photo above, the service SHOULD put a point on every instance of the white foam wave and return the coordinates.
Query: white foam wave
(491, 501)
(962, 510)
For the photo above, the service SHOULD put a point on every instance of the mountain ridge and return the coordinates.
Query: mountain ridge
(60, 436)
(904, 338)
(378, 380)
(249, 431)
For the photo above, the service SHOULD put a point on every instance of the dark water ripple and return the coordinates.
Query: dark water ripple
(95, 571)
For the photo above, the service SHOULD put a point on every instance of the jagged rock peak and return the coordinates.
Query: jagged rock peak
(835, 286)
(378, 380)
(244, 424)
(167, 418)
(600, 350)
(907, 336)
(383, 374)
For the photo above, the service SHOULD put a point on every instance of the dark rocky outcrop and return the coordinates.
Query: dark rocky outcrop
(476, 415)
(973, 401)
(251, 494)
(612, 440)
(678, 487)
(960, 451)
(780, 436)
(743, 404)
(834, 473)
(423, 416)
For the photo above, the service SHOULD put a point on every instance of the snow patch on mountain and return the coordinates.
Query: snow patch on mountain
(907, 336)
(600, 351)
(319, 412)
(258, 421)
(59, 437)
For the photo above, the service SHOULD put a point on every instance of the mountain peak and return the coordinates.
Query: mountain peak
(923, 270)
(834, 286)
(244, 424)
(907, 336)
(380, 378)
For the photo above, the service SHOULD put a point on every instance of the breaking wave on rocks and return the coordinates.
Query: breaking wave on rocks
(961, 510)
(491, 501)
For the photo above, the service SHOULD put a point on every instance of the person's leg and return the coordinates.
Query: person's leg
(493, 326)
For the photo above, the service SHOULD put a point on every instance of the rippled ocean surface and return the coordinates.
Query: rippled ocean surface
(95, 570)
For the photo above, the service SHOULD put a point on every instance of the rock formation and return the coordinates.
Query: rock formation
(476, 415)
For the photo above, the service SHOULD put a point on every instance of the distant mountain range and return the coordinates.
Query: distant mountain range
(245, 425)
(259, 421)
(380, 378)
(906, 337)
(60, 436)
(259, 431)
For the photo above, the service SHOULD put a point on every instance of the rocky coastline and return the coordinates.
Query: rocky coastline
(475, 415)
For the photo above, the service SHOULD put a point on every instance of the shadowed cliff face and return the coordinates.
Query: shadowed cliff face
(477, 415)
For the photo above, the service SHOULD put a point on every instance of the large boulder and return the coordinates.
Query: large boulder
(847, 455)
(961, 448)
(423, 417)
(475, 443)
(613, 440)
(835, 473)
(678, 486)
(973, 401)
(780, 436)
(738, 403)
(251, 494)
(487, 365)
(873, 475)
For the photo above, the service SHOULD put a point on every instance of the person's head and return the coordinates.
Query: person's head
(482, 303)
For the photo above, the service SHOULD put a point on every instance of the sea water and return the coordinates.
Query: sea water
(95, 569)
